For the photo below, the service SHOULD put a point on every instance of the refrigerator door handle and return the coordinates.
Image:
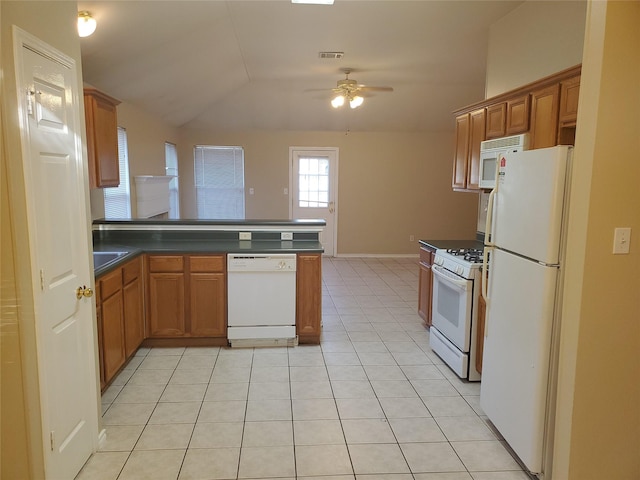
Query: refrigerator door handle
(488, 240)
(485, 284)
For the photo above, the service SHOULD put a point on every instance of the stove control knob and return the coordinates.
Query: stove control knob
(459, 270)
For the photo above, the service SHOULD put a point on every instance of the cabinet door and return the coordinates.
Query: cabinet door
(133, 316)
(424, 285)
(112, 335)
(544, 117)
(102, 139)
(462, 151)
(518, 115)
(166, 305)
(496, 120)
(424, 289)
(309, 297)
(476, 136)
(208, 305)
(569, 93)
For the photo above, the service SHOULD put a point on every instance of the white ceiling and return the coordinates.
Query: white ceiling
(243, 65)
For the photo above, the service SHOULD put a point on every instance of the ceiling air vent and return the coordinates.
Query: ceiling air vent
(331, 55)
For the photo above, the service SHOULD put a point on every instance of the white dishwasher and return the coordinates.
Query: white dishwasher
(261, 299)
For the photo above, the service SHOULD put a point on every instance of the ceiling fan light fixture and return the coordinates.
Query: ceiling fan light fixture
(356, 101)
(337, 101)
(86, 24)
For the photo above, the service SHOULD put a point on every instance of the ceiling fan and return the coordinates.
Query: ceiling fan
(349, 90)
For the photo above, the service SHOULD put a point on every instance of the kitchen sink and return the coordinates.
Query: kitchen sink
(101, 259)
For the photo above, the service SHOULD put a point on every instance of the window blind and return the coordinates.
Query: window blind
(171, 169)
(219, 182)
(117, 202)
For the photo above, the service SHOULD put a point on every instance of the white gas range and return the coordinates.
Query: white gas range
(456, 290)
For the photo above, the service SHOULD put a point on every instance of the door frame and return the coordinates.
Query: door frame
(27, 277)
(333, 179)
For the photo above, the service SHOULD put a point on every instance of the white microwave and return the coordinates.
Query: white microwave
(490, 150)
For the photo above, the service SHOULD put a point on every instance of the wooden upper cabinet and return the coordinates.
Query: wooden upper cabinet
(518, 115)
(496, 120)
(569, 92)
(102, 138)
(469, 133)
(544, 117)
(462, 151)
(476, 136)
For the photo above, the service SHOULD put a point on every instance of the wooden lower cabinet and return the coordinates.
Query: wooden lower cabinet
(112, 317)
(309, 297)
(425, 281)
(187, 296)
(166, 304)
(133, 295)
(207, 304)
(120, 317)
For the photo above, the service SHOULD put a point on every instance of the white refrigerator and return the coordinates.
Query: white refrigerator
(523, 263)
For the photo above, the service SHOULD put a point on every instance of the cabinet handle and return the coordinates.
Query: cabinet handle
(84, 291)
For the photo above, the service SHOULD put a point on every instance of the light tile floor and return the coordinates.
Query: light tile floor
(371, 402)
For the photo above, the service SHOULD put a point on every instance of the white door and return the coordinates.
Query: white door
(58, 235)
(314, 194)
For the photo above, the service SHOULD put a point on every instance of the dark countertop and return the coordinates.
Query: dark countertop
(201, 236)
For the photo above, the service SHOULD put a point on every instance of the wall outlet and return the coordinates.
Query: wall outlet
(286, 235)
(244, 235)
(411, 238)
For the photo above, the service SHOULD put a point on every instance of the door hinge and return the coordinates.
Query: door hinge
(41, 279)
(52, 438)
(30, 94)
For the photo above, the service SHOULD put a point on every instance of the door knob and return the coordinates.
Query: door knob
(84, 291)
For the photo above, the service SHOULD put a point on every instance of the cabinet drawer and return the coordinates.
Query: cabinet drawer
(208, 263)
(131, 270)
(166, 263)
(110, 283)
(426, 256)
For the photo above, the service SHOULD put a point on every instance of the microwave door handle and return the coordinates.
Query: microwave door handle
(461, 284)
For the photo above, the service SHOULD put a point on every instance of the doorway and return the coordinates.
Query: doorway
(313, 181)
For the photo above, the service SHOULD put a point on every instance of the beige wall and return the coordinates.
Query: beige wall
(391, 185)
(146, 136)
(54, 23)
(535, 40)
(599, 400)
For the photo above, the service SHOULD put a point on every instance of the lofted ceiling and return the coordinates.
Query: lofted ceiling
(254, 65)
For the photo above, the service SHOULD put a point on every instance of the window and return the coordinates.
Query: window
(219, 181)
(313, 182)
(171, 169)
(117, 203)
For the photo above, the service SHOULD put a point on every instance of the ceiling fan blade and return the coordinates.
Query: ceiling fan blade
(365, 88)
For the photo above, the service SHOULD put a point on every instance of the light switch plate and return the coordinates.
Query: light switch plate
(621, 241)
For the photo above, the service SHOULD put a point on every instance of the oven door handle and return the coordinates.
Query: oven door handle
(461, 284)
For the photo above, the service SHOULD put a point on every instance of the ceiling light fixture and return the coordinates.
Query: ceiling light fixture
(354, 100)
(86, 24)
